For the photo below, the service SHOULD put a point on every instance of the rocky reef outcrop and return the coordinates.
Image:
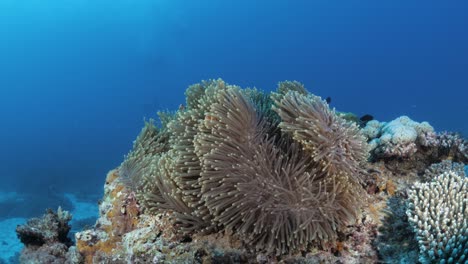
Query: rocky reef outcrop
(46, 239)
(242, 176)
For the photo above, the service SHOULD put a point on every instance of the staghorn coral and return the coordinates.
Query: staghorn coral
(438, 214)
(279, 172)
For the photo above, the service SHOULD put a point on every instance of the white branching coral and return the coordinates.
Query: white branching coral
(438, 213)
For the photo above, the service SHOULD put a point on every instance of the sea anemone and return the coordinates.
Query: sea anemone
(281, 172)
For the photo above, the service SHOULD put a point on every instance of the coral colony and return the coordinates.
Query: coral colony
(242, 176)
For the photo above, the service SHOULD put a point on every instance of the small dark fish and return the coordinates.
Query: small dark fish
(366, 118)
(328, 100)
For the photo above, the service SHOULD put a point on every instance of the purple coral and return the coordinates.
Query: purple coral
(453, 145)
(403, 137)
(396, 150)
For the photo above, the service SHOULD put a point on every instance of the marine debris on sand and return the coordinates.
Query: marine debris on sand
(242, 176)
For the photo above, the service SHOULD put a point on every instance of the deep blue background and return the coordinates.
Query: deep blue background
(78, 77)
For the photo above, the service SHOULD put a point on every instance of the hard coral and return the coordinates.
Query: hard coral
(52, 227)
(46, 239)
(407, 140)
(438, 213)
(230, 164)
(453, 146)
(437, 169)
(399, 138)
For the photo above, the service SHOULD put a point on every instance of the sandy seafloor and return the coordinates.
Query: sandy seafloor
(84, 212)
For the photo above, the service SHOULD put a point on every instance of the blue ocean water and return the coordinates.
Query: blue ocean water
(77, 78)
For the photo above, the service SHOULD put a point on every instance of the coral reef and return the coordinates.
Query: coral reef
(397, 138)
(405, 145)
(438, 213)
(119, 215)
(155, 239)
(45, 239)
(453, 146)
(238, 176)
(242, 176)
(437, 169)
(226, 166)
(396, 242)
(402, 138)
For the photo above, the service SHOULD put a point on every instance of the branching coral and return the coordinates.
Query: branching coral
(280, 172)
(438, 213)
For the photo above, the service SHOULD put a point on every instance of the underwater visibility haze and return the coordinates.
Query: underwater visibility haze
(79, 79)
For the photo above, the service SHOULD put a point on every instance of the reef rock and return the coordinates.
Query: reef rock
(124, 234)
(46, 239)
